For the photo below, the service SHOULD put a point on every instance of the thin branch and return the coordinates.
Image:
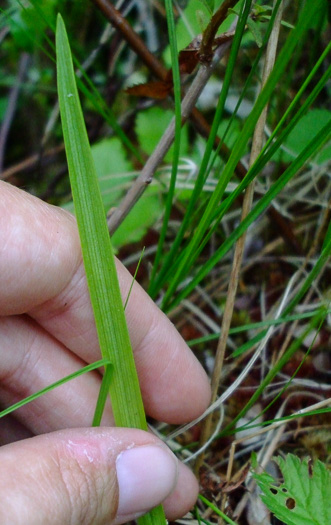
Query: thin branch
(146, 176)
(31, 162)
(239, 248)
(11, 108)
(209, 33)
(136, 43)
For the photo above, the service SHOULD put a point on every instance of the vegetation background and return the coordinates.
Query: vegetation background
(234, 217)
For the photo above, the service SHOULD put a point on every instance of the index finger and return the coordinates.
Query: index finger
(41, 273)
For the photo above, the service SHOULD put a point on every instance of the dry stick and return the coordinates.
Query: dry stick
(31, 162)
(146, 175)
(12, 103)
(239, 249)
(198, 120)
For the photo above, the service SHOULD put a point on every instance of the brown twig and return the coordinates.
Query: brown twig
(136, 43)
(240, 245)
(206, 49)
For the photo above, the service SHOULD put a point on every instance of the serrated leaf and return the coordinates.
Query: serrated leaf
(304, 496)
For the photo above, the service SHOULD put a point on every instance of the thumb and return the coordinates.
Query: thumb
(84, 476)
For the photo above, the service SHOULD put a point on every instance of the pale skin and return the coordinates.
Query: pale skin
(54, 469)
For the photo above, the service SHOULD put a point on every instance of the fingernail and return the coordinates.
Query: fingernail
(146, 476)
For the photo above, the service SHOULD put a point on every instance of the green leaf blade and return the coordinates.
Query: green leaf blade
(99, 261)
(96, 247)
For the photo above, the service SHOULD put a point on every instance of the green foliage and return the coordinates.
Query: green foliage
(213, 212)
(150, 126)
(308, 127)
(28, 29)
(303, 498)
(144, 215)
(204, 216)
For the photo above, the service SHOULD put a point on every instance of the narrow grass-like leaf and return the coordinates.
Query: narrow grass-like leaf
(270, 148)
(84, 370)
(268, 422)
(98, 254)
(303, 24)
(217, 511)
(178, 127)
(134, 278)
(96, 247)
(102, 397)
(253, 326)
(259, 208)
(157, 283)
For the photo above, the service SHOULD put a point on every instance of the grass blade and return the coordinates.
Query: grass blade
(88, 368)
(259, 208)
(100, 269)
(178, 128)
(98, 254)
(237, 152)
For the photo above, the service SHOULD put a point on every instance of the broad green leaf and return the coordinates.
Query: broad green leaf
(304, 131)
(110, 158)
(304, 496)
(142, 216)
(150, 126)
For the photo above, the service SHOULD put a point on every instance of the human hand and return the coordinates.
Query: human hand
(54, 468)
